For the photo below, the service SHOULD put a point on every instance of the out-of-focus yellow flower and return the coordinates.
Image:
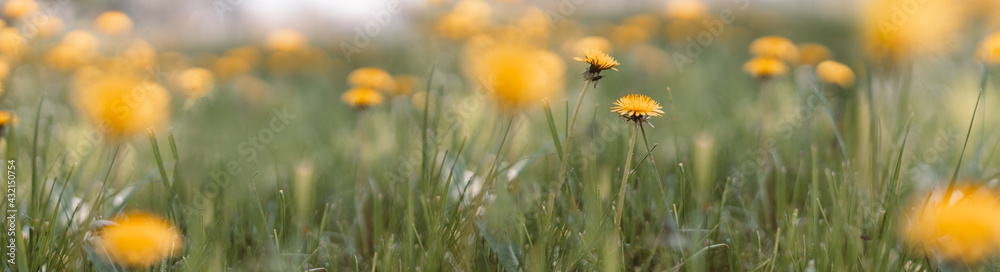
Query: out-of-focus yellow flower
(646, 21)
(687, 10)
(4, 70)
(281, 63)
(963, 229)
(286, 40)
(140, 240)
(765, 67)
(989, 49)
(534, 25)
(812, 53)
(637, 107)
(228, 67)
(361, 98)
(196, 82)
(13, 45)
(405, 85)
(249, 53)
(465, 19)
(593, 42)
(834, 72)
(626, 36)
(7, 118)
(139, 55)
(900, 30)
(774, 47)
(81, 39)
(120, 104)
(518, 75)
(113, 23)
(48, 26)
(371, 78)
(15, 9)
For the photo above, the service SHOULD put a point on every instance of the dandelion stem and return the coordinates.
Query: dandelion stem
(569, 135)
(621, 190)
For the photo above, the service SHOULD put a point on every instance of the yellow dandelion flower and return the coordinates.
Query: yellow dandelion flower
(963, 229)
(196, 82)
(765, 67)
(467, 18)
(113, 23)
(4, 70)
(989, 49)
(687, 10)
(15, 9)
(517, 75)
(139, 240)
(286, 40)
(120, 104)
(599, 61)
(227, 68)
(894, 33)
(834, 72)
(48, 26)
(774, 47)
(13, 45)
(637, 107)
(812, 54)
(405, 85)
(361, 98)
(371, 78)
(627, 35)
(7, 118)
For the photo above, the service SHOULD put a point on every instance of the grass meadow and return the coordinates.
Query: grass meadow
(464, 136)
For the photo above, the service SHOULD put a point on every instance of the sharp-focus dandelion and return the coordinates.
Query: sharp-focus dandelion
(370, 77)
(599, 61)
(637, 108)
(362, 98)
(836, 73)
(765, 67)
(962, 230)
(136, 240)
(113, 23)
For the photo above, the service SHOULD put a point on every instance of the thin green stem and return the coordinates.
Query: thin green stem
(569, 135)
(621, 190)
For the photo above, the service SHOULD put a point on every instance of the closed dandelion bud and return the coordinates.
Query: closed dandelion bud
(113, 23)
(835, 73)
